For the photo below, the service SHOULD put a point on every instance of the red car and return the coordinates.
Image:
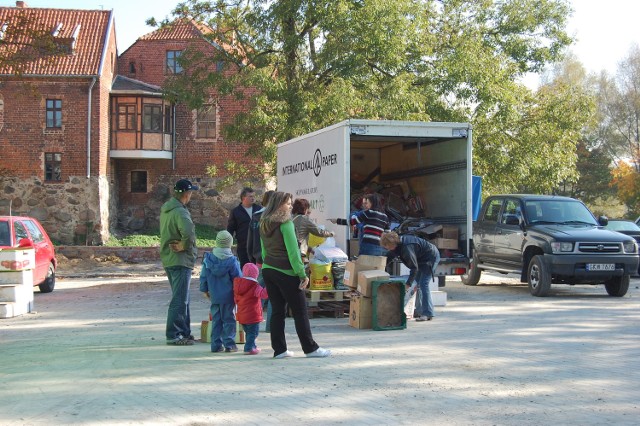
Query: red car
(19, 231)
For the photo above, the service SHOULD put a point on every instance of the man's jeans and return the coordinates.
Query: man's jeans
(178, 317)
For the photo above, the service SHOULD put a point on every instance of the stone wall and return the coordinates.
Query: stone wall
(70, 212)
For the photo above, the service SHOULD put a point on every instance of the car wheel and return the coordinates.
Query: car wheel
(617, 286)
(539, 277)
(473, 275)
(50, 281)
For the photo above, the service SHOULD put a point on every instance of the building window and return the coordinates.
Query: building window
(52, 166)
(152, 118)
(168, 119)
(207, 122)
(138, 181)
(54, 113)
(132, 67)
(126, 117)
(173, 67)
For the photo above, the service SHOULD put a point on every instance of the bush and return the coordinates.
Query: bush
(205, 235)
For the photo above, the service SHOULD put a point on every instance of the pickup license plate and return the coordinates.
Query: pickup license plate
(601, 266)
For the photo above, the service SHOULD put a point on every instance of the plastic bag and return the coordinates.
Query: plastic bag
(321, 278)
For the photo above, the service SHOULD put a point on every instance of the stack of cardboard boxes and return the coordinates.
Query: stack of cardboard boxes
(16, 281)
(443, 236)
(358, 276)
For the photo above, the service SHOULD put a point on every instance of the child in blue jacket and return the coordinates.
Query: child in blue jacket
(219, 268)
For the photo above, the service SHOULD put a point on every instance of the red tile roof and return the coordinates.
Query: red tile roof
(181, 29)
(88, 48)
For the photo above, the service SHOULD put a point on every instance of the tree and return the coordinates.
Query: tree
(313, 63)
(626, 180)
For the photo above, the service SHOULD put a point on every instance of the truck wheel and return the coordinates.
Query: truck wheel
(539, 277)
(473, 275)
(617, 286)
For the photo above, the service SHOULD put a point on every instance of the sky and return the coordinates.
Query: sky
(605, 30)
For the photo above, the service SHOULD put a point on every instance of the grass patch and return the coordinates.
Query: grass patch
(205, 237)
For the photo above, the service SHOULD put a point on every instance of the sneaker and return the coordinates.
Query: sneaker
(218, 349)
(424, 318)
(319, 353)
(285, 354)
(191, 337)
(180, 342)
(233, 348)
(254, 351)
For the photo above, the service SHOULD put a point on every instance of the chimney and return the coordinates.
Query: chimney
(21, 4)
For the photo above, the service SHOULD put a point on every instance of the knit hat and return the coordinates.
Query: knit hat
(224, 239)
(250, 270)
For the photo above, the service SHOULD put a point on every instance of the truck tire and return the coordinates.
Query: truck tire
(617, 286)
(473, 275)
(539, 277)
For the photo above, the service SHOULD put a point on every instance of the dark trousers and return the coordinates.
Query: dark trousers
(284, 289)
(243, 256)
(178, 317)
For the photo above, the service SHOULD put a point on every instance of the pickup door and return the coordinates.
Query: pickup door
(509, 235)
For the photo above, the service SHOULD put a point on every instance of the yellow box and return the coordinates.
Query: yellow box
(365, 278)
(360, 312)
(205, 332)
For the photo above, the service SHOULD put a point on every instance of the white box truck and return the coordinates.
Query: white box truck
(422, 168)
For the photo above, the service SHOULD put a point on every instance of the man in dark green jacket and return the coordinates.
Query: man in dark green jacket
(178, 253)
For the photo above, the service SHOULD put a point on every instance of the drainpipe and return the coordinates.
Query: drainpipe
(173, 137)
(93, 81)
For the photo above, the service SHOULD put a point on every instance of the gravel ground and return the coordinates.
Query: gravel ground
(94, 354)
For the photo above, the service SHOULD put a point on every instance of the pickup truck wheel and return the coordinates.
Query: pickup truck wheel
(473, 275)
(617, 286)
(539, 277)
(50, 280)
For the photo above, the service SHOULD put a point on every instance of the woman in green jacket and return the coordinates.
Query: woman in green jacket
(284, 275)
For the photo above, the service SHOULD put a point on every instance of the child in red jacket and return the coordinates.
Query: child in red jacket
(247, 294)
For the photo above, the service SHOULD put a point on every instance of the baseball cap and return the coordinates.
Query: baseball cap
(185, 185)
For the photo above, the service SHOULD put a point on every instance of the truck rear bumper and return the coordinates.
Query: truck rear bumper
(576, 265)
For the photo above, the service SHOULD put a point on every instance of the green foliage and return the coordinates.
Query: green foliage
(205, 237)
(302, 65)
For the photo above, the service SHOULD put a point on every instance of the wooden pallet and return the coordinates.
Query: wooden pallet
(316, 296)
(329, 309)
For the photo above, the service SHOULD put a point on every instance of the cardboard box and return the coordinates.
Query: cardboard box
(450, 232)
(365, 278)
(360, 312)
(205, 332)
(364, 263)
(17, 277)
(444, 243)
(17, 259)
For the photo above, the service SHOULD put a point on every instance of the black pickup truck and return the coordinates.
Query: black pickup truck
(550, 240)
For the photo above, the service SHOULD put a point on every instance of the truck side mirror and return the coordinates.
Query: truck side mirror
(603, 220)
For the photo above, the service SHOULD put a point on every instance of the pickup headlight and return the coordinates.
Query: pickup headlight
(561, 247)
(629, 247)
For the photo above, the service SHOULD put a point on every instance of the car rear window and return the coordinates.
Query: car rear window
(4, 234)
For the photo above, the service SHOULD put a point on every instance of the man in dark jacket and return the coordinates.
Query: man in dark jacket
(239, 219)
(178, 253)
(422, 258)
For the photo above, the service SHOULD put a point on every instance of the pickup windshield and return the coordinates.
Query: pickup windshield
(558, 211)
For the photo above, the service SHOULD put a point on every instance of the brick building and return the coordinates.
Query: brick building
(87, 140)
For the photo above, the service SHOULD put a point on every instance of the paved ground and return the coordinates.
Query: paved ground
(94, 353)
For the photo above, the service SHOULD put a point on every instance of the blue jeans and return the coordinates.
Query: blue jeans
(372, 249)
(178, 317)
(223, 326)
(423, 278)
(250, 335)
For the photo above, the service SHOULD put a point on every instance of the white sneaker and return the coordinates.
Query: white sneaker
(319, 353)
(285, 354)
